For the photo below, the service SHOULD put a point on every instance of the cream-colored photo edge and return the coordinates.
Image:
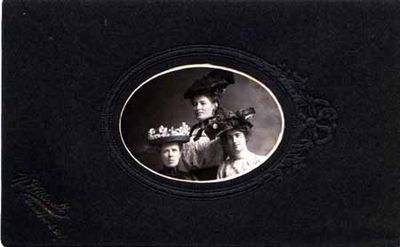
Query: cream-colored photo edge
(212, 66)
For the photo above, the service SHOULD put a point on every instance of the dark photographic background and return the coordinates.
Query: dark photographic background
(160, 102)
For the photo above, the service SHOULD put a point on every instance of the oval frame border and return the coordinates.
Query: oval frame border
(302, 113)
(183, 67)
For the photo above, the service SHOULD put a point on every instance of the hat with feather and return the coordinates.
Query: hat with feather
(214, 84)
(229, 120)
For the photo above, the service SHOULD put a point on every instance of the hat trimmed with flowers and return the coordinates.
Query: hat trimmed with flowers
(163, 135)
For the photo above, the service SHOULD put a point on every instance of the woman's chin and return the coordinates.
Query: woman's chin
(202, 117)
(171, 165)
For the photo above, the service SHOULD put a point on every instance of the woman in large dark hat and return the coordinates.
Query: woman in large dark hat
(169, 142)
(205, 96)
(233, 129)
(206, 93)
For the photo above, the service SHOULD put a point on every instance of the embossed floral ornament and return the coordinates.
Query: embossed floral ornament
(319, 120)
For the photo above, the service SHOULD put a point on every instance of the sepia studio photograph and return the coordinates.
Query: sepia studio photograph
(201, 123)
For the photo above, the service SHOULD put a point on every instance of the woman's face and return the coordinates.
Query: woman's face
(234, 142)
(203, 107)
(170, 154)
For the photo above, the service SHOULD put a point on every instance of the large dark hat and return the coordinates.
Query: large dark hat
(229, 120)
(214, 83)
(163, 135)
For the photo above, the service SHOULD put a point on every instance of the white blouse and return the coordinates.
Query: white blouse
(234, 167)
(201, 153)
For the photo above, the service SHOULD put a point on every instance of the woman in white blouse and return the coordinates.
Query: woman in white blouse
(233, 130)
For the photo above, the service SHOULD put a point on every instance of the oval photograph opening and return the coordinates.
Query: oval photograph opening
(201, 123)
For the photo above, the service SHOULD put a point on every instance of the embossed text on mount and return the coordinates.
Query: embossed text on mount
(38, 200)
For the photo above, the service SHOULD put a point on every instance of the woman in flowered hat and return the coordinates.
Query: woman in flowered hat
(170, 141)
(233, 129)
(205, 96)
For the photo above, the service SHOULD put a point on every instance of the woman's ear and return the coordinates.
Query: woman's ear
(216, 105)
